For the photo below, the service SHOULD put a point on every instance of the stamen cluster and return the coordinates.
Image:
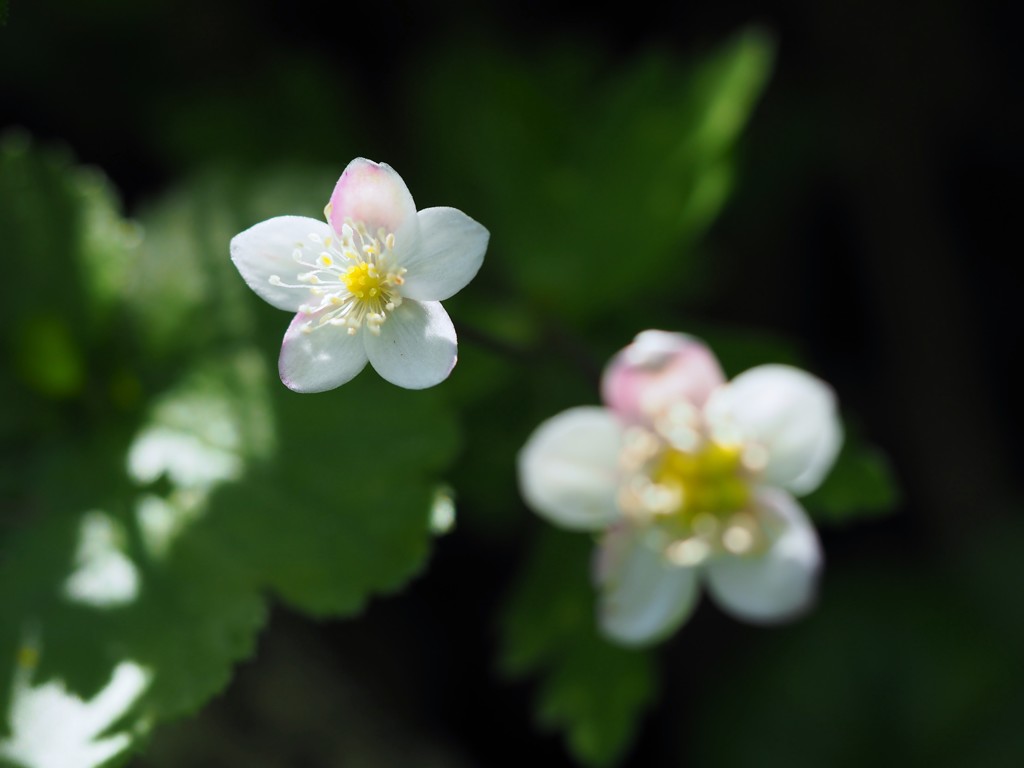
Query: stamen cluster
(354, 279)
(693, 491)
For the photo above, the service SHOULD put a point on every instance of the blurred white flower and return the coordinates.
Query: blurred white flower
(690, 477)
(366, 285)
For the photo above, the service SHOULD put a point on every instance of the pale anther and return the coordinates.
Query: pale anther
(687, 553)
(737, 539)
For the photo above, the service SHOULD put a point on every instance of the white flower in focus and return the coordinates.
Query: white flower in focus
(690, 477)
(366, 285)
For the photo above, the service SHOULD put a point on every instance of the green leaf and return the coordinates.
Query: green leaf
(594, 691)
(68, 246)
(860, 484)
(595, 186)
(105, 573)
(343, 511)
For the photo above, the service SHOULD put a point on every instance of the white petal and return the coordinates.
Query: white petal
(644, 597)
(568, 469)
(372, 194)
(779, 582)
(417, 347)
(266, 249)
(322, 359)
(448, 254)
(790, 413)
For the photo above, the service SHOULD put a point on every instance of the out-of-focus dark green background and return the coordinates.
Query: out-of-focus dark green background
(871, 224)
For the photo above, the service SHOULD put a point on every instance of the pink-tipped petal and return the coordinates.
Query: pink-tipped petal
(778, 583)
(267, 249)
(644, 597)
(448, 254)
(417, 346)
(321, 359)
(791, 414)
(569, 468)
(372, 194)
(656, 371)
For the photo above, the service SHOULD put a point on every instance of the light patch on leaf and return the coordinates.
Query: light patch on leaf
(161, 521)
(77, 742)
(104, 577)
(194, 439)
(187, 459)
(442, 512)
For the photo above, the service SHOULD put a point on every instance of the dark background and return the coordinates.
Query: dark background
(874, 220)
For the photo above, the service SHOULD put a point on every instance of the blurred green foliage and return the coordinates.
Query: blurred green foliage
(897, 665)
(591, 689)
(147, 401)
(143, 396)
(595, 184)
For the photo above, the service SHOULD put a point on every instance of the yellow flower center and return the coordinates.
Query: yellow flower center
(699, 500)
(353, 282)
(363, 281)
(708, 481)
